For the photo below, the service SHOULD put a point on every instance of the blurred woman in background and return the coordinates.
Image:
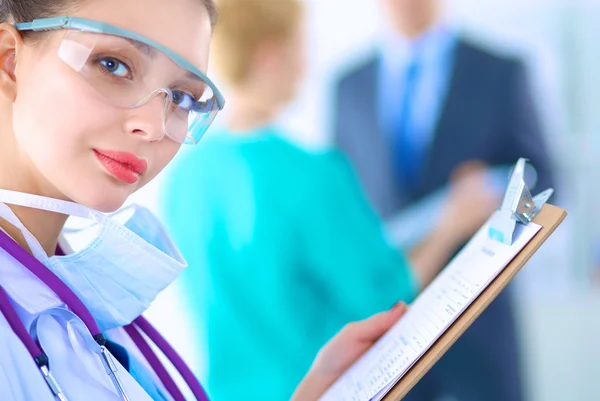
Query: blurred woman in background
(282, 245)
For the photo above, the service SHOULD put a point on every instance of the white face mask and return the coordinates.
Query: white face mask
(120, 272)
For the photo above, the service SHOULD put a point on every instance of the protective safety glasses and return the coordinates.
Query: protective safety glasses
(129, 70)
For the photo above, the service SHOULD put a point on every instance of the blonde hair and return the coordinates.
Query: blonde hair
(245, 25)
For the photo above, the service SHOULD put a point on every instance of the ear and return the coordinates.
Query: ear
(10, 41)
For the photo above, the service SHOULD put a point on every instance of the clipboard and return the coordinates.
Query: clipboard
(549, 217)
(518, 207)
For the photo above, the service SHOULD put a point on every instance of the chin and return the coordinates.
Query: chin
(102, 199)
(105, 205)
(109, 207)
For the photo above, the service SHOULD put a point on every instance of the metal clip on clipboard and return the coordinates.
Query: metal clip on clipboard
(518, 206)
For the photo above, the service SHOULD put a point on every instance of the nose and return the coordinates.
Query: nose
(148, 118)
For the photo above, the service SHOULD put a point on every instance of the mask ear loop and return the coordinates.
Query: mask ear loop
(33, 244)
(42, 203)
(49, 205)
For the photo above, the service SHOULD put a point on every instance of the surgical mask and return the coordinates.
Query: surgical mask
(123, 267)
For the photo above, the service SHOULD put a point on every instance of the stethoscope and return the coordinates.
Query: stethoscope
(134, 330)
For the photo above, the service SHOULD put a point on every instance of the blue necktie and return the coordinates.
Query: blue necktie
(407, 150)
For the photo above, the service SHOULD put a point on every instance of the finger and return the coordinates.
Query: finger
(374, 327)
(474, 182)
(467, 169)
(397, 312)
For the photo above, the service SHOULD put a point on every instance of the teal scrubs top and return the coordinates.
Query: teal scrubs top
(283, 251)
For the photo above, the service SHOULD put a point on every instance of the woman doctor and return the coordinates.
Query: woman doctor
(96, 97)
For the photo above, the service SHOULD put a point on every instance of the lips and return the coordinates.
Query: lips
(122, 165)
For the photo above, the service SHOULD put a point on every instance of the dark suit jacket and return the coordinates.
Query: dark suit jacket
(488, 115)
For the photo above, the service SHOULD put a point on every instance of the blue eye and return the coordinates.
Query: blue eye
(183, 100)
(115, 67)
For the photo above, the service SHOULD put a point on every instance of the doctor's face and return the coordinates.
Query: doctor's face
(74, 145)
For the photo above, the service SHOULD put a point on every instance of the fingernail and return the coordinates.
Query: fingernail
(398, 305)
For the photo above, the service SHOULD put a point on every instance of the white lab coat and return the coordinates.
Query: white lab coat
(77, 369)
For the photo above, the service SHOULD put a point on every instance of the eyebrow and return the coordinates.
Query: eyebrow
(144, 48)
(195, 77)
(151, 52)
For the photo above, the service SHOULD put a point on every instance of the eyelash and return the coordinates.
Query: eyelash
(98, 61)
(194, 94)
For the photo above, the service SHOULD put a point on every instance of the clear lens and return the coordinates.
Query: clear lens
(128, 74)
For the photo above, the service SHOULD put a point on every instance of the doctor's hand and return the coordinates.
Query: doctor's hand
(343, 350)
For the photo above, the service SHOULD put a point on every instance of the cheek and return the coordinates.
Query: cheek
(57, 101)
(166, 152)
(41, 122)
(163, 153)
(55, 118)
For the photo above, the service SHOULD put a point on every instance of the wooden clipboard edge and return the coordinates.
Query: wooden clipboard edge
(550, 217)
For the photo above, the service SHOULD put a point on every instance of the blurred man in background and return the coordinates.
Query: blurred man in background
(428, 103)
